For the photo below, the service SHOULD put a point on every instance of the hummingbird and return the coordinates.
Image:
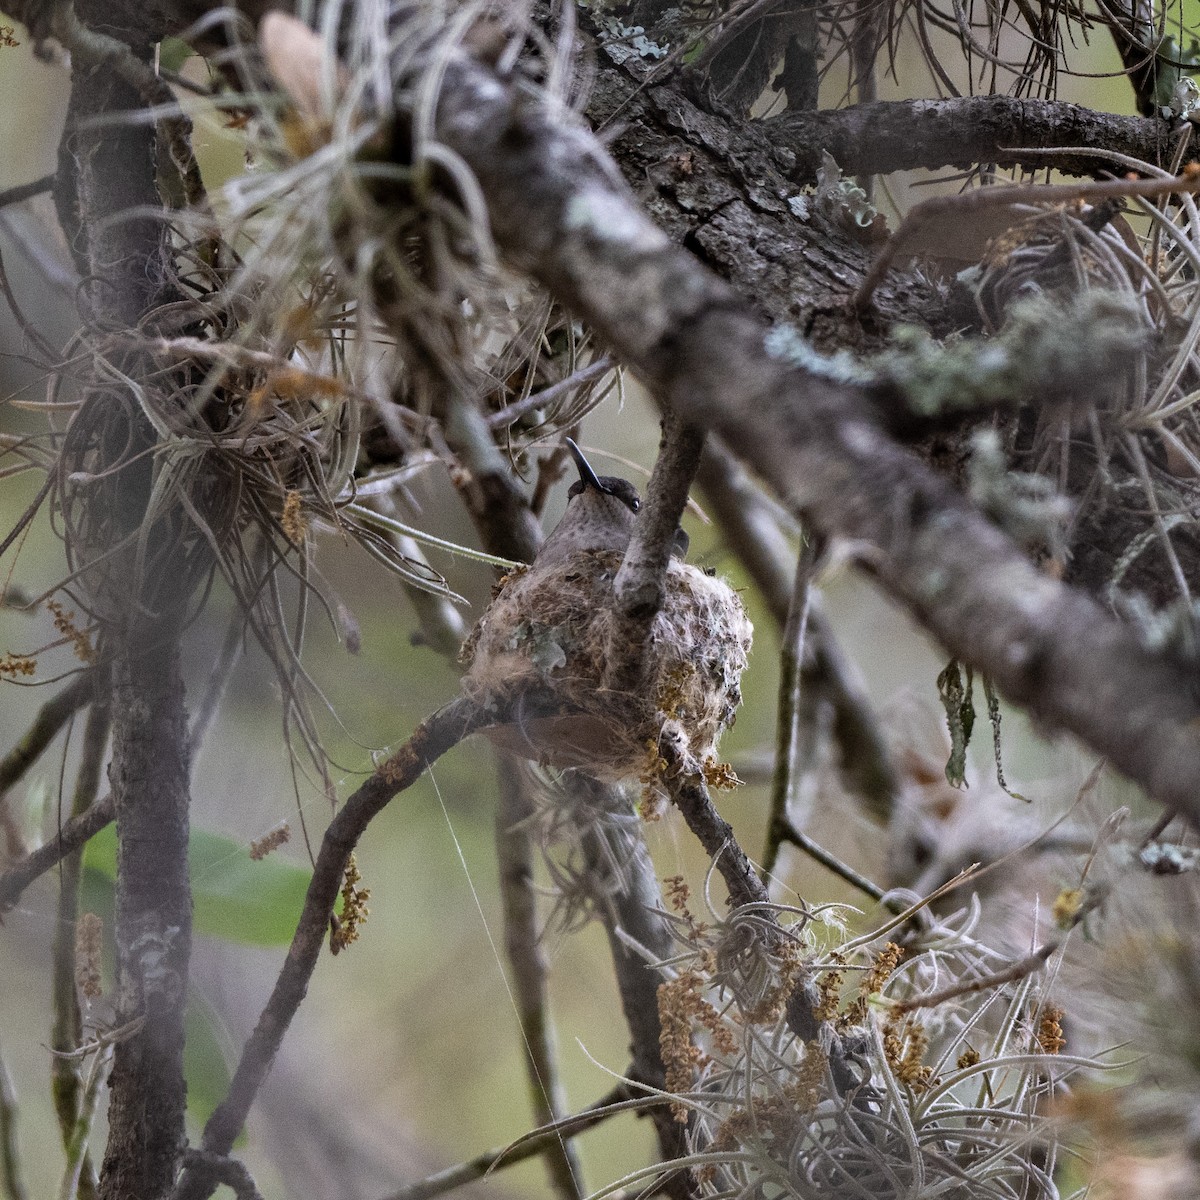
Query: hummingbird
(541, 646)
(601, 511)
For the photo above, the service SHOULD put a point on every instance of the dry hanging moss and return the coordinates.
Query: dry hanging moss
(541, 648)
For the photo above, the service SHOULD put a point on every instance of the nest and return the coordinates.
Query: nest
(540, 651)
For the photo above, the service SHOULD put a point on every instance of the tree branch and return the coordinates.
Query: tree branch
(638, 587)
(621, 1099)
(900, 135)
(430, 740)
(72, 835)
(560, 210)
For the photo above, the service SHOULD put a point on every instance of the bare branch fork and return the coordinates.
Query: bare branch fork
(430, 740)
(560, 210)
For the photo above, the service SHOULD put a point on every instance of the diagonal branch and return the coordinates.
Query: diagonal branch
(560, 210)
(431, 739)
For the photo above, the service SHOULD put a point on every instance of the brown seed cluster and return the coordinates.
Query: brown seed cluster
(272, 840)
(89, 932)
(346, 928)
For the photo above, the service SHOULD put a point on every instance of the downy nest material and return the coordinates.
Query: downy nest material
(541, 648)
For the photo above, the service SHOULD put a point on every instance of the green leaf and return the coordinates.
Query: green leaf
(236, 898)
(205, 1064)
(172, 52)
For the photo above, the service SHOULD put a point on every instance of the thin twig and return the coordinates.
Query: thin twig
(50, 719)
(619, 1100)
(66, 1079)
(11, 1176)
(26, 191)
(527, 964)
(751, 525)
(787, 832)
(70, 837)
(431, 739)
(787, 729)
(550, 395)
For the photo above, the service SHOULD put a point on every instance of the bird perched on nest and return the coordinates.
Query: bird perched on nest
(540, 649)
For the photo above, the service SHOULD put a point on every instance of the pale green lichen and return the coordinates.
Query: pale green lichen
(1080, 352)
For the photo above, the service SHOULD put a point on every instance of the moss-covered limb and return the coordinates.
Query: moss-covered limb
(430, 740)
(529, 970)
(50, 719)
(12, 1178)
(1047, 353)
(66, 1078)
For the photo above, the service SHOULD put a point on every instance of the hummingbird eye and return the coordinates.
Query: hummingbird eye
(635, 504)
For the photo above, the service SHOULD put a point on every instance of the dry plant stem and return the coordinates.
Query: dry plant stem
(73, 834)
(560, 210)
(899, 135)
(482, 1165)
(999, 197)
(12, 1179)
(50, 719)
(66, 1077)
(788, 731)
(638, 587)
(753, 534)
(431, 739)
(527, 962)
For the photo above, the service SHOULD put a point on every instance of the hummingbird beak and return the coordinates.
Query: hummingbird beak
(587, 476)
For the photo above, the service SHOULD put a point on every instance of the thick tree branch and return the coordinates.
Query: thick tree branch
(899, 135)
(561, 211)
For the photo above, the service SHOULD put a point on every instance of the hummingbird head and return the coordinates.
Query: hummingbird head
(601, 510)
